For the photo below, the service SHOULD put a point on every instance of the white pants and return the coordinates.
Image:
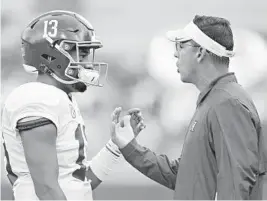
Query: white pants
(73, 189)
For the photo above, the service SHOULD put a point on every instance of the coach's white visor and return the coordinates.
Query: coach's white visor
(192, 32)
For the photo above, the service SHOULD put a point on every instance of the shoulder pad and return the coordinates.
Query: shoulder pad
(36, 93)
(36, 99)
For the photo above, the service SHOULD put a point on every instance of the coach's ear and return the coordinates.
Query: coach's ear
(201, 54)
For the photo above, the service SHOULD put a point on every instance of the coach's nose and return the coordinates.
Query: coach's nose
(176, 54)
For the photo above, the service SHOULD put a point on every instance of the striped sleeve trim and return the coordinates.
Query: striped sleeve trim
(32, 123)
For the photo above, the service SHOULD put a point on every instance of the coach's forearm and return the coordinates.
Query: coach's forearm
(157, 167)
(49, 192)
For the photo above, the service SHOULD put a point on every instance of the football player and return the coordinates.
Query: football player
(43, 131)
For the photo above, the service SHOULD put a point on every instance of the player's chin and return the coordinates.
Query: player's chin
(80, 87)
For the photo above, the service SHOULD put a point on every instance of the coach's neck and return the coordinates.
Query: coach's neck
(207, 73)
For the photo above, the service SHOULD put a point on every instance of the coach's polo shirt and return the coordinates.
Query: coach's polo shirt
(221, 151)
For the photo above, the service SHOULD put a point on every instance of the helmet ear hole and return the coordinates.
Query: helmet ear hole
(48, 58)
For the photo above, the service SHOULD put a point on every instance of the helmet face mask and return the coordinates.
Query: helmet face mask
(63, 44)
(88, 71)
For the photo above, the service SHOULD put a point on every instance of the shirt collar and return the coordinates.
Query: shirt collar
(228, 77)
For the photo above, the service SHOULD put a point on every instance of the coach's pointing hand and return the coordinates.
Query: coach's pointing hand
(137, 120)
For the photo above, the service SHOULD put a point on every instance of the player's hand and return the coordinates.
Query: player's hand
(121, 130)
(137, 120)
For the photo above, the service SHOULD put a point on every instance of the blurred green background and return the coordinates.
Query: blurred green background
(142, 72)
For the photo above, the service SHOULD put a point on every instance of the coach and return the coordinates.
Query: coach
(223, 148)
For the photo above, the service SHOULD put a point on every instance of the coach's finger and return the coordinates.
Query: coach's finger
(140, 116)
(137, 116)
(141, 126)
(133, 111)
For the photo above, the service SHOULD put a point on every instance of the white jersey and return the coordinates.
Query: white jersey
(42, 100)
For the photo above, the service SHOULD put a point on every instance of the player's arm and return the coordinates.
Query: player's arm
(235, 143)
(102, 164)
(157, 167)
(95, 181)
(39, 143)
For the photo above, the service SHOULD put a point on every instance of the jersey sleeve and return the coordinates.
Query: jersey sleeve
(45, 103)
(29, 123)
(42, 110)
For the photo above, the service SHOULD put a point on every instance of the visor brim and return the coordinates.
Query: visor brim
(177, 36)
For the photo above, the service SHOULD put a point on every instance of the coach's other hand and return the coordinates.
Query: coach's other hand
(137, 120)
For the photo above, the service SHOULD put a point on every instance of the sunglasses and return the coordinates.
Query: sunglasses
(181, 45)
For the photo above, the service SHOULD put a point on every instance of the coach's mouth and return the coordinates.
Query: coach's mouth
(177, 65)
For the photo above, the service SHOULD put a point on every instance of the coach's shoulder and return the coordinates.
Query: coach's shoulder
(230, 110)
